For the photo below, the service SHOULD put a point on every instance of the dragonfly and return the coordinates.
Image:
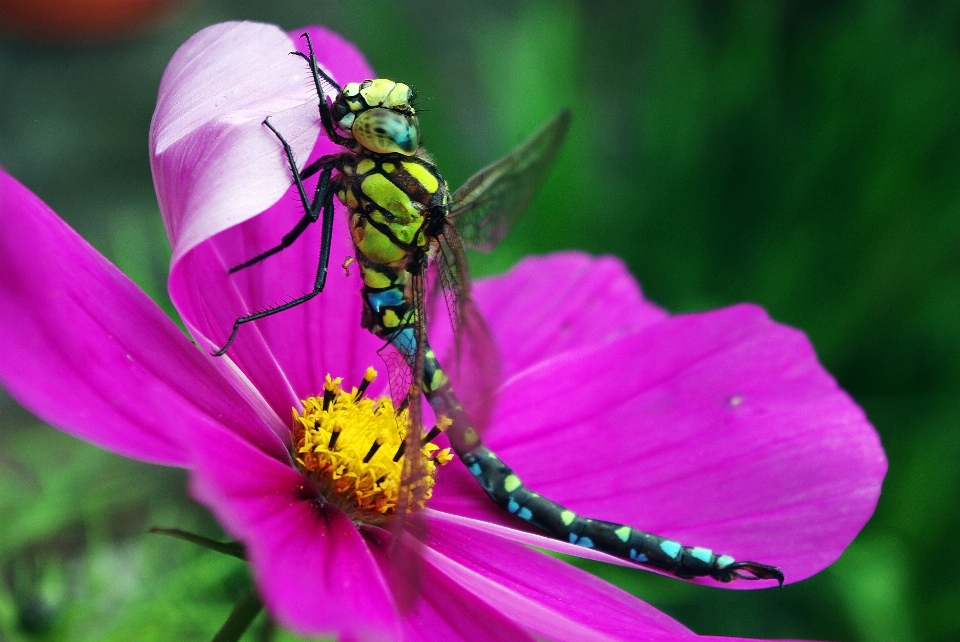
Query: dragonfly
(404, 221)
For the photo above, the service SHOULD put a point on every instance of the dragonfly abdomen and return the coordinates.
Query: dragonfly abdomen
(505, 488)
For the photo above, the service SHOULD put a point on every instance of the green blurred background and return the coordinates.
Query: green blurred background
(801, 155)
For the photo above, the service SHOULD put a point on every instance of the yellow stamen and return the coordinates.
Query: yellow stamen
(345, 442)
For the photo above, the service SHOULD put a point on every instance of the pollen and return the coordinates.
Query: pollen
(351, 447)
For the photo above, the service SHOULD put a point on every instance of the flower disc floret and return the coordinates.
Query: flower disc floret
(351, 447)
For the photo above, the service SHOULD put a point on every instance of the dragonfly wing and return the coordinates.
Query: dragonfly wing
(476, 371)
(409, 528)
(472, 363)
(398, 371)
(453, 273)
(486, 206)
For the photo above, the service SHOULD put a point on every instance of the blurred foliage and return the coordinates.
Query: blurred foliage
(802, 155)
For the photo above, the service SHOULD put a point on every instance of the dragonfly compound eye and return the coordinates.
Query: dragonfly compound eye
(384, 131)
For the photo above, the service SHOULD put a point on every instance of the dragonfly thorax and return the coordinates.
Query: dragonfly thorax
(395, 203)
(378, 114)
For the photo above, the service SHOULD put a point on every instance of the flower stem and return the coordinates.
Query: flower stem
(234, 549)
(240, 617)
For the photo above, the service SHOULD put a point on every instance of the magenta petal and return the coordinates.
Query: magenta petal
(286, 356)
(447, 612)
(442, 610)
(546, 305)
(718, 429)
(87, 351)
(546, 596)
(214, 163)
(314, 570)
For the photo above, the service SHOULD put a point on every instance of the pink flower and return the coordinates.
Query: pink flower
(718, 429)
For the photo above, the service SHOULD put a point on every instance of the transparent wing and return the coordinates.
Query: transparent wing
(404, 359)
(453, 273)
(491, 200)
(415, 469)
(472, 363)
(398, 372)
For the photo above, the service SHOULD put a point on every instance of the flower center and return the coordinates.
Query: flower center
(351, 447)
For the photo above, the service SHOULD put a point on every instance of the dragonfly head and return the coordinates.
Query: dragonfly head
(378, 115)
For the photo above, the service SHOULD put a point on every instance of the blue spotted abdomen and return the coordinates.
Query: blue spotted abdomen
(504, 487)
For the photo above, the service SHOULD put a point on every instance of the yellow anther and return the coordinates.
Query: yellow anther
(368, 378)
(333, 385)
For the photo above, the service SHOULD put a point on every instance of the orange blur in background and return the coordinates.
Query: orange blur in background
(82, 19)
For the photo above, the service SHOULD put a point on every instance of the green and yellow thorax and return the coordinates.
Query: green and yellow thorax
(396, 203)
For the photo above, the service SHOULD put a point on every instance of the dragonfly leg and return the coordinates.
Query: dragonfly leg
(326, 118)
(311, 208)
(318, 283)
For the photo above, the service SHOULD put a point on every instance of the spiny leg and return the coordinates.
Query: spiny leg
(319, 281)
(326, 118)
(322, 200)
(325, 166)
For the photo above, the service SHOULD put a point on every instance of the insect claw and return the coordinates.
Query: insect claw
(756, 571)
(222, 351)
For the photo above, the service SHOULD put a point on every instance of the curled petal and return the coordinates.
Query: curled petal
(87, 351)
(285, 356)
(214, 163)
